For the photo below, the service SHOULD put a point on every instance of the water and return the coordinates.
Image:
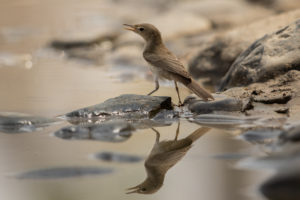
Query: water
(38, 81)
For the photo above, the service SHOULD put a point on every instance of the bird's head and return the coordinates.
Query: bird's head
(147, 31)
(147, 187)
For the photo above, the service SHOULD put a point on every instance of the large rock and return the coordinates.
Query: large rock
(279, 96)
(216, 53)
(266, 58)
(128, 106)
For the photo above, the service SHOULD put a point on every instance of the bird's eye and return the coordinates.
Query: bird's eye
(141, 28)
(144, 189)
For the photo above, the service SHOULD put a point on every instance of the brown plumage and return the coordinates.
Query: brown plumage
(164, 64)
(163, 156)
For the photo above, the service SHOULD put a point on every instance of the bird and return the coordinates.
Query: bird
(163, 63)
(163, 156)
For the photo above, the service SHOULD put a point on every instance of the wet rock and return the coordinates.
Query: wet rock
(261, 135)
(215, 54)
(266, 58)
(283, 186)
(111, 131)
(21, 123)
(228, 105)
(117, 157)
(63, 172)
(128, 106)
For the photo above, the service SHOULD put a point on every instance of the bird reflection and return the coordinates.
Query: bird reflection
(163, 156)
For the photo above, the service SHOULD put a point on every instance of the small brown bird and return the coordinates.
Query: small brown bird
(163, 156)
(164, 64)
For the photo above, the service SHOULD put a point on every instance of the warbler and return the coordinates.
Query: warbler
(164, 64)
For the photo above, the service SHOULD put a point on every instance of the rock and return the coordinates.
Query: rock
(93, 50)
(63, 172)
(280, 93)
(127, 106)
(274, 98)
(266, 58)
(117, 157)
(216, 53)
(67, 45)
(21, 123)
(283, 186)
(111, 131)
(227, 105)
(283, 110)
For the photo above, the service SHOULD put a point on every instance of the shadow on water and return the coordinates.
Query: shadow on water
(63, 172)
(163, 156)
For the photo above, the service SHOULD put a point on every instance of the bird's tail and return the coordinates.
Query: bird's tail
(199, 90)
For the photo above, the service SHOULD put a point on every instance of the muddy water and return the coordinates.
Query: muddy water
(38, 81)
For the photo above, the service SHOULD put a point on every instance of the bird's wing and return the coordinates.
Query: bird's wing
(166, 160)
(167, 61)
(169, 152)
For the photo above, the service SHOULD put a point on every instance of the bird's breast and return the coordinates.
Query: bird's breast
(160, 73)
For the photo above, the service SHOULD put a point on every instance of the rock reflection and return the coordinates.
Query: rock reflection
(22, 123)
(163, 156)
(111, 131)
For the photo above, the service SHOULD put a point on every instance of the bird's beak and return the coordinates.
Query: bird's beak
(133, 190)
(129, 27)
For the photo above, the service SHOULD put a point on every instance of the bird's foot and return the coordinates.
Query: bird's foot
(180, 104)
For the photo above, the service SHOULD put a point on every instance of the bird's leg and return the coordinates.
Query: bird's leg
(157, 135)
(177, 90)
(177, 131)
(156, 86)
